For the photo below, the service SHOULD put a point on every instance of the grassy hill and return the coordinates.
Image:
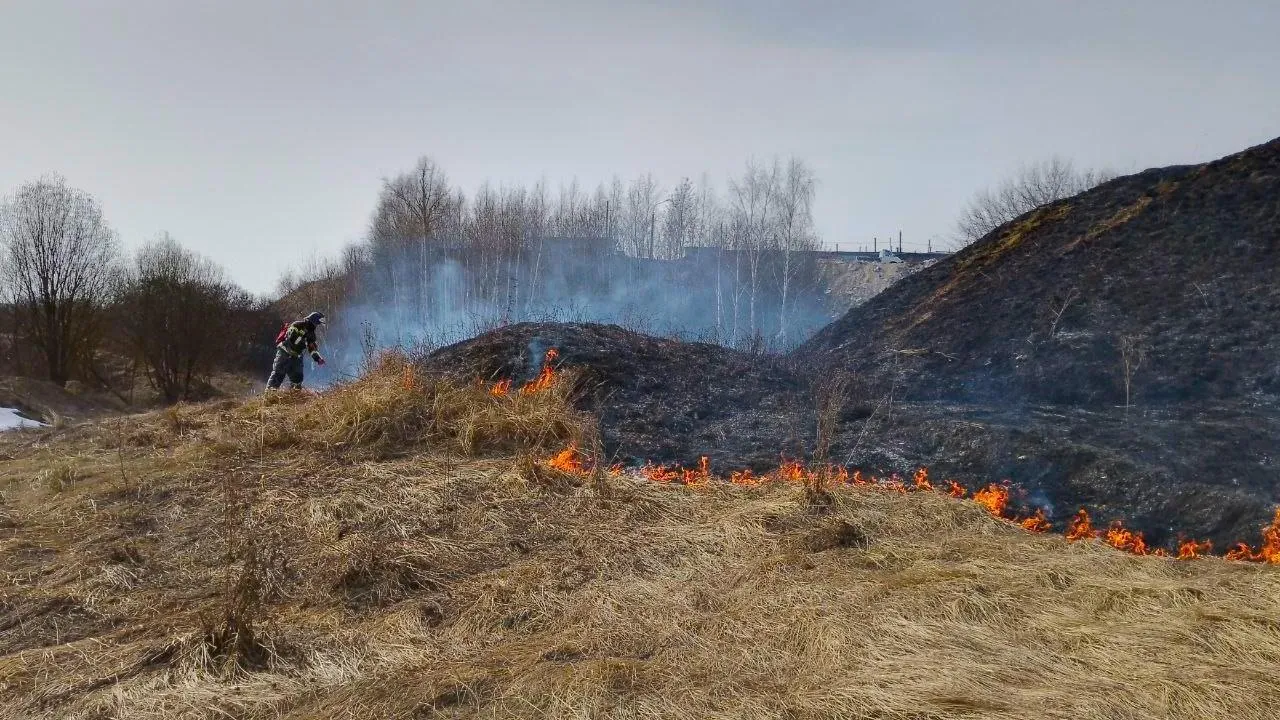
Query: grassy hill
(401, 547)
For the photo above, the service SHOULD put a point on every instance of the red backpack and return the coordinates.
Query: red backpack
(284, 331)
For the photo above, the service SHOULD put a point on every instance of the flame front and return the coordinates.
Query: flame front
(1268, 552)
(1080, 527)
(1036, 523)
(1191, 549)
(995, 498)
(1121, 539)
(567, 461)
(545, 379)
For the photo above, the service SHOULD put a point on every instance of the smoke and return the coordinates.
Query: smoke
(422, 301)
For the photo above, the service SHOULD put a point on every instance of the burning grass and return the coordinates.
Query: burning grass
(396, 408)
(994, 498)
(369, 560)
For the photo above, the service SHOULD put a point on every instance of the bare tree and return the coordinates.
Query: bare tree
(794, 228)
(412, 208)
(638, 215)
(753, 205)
(1132, 353)
(173, 304)
(1034, 186)
(316, 283)
(60, 259)
(680, 222)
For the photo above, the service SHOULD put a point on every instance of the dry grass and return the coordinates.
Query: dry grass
(973, 261)
(383, 574)
(1120, 217)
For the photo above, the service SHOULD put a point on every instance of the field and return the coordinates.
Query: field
(401, 547)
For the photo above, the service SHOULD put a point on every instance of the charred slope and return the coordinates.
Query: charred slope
(1203, 474)
(1015, 350)
(657, 399)
(1175, 269)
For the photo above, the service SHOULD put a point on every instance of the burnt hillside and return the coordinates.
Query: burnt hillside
(657, 399)
(1177, 269)
(1005, 361)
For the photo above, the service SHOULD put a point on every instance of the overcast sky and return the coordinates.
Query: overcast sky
(258, 132)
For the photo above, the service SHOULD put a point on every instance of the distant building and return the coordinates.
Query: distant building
(697, 253)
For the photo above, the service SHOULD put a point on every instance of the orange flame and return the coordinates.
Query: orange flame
(409, 380)
(792, 471)
(1036, 523)
(994, 498)
(567, 461)
(1241, 553)
(1191, 549)
(658, 473)
(700, 477)
(500, 388)
(546, 378)
(1081, 527)
(1121, 539)
(1270, 551)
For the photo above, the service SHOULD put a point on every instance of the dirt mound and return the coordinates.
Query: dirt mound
(1170, 273)
(656, 399)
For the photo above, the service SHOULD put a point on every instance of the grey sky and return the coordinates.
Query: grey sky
(257, 132)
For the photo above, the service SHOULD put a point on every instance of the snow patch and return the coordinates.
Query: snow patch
(11, 420)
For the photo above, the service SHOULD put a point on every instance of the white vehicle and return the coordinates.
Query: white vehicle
(888, 257)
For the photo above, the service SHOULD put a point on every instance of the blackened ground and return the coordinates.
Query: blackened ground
(658, 400)
(1172, 273)
(1160, 290)
(1199, 471)
(1014, 358)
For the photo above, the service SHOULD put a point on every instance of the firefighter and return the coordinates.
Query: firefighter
(295, 339)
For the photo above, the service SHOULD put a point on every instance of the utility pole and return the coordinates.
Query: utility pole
(899, 242)
(874, 241)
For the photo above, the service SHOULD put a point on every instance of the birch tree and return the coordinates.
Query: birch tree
(794, 229)
(753, 196)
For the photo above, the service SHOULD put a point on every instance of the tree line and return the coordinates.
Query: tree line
(726, 265)
(439, 263)
(79, 309)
